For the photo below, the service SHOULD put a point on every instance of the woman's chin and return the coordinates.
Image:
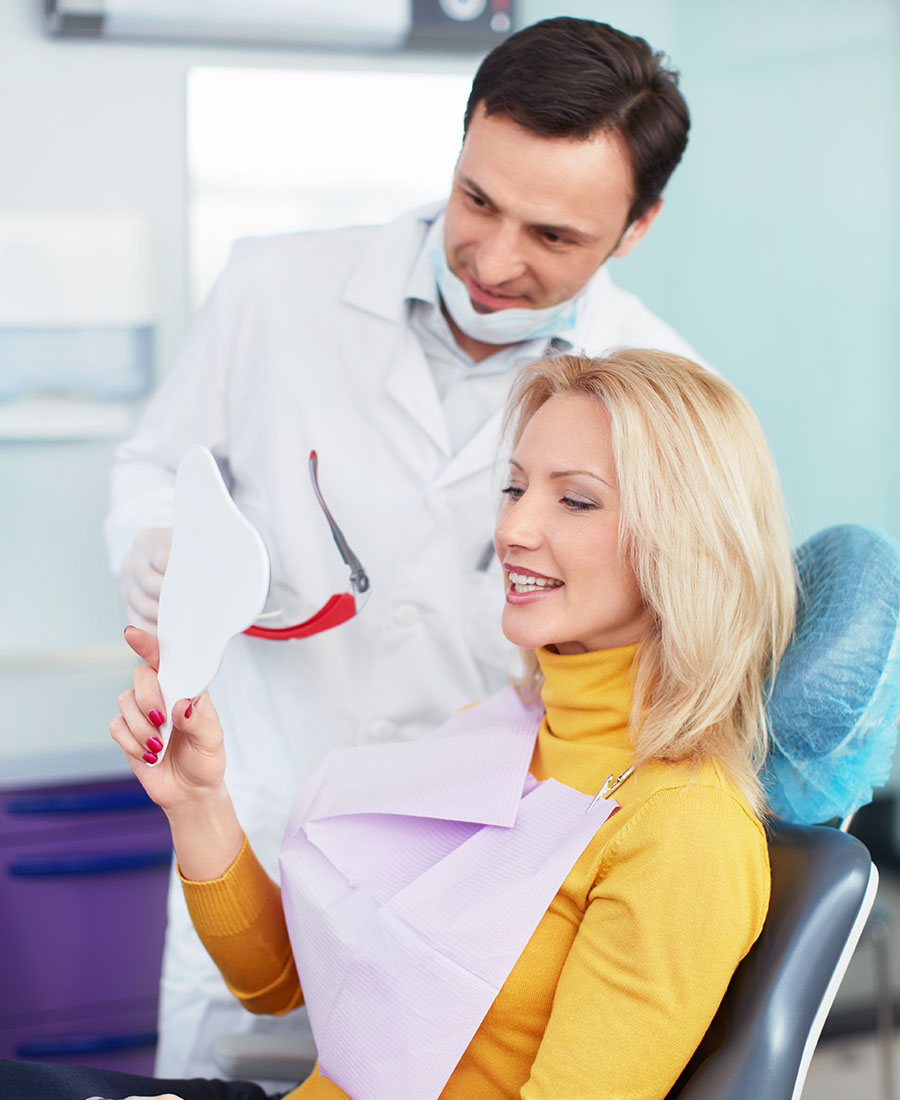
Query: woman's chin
(523, 637)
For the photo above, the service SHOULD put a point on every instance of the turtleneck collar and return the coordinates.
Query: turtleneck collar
(585, 734)
(588, 696)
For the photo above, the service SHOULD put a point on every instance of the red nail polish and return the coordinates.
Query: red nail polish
(154, 744)
(189, 711)
(150, 757)
(156, 718)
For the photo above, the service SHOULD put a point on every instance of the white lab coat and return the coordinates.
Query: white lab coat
(304, 344)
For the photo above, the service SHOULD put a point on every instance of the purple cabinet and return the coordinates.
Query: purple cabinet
(83, 880)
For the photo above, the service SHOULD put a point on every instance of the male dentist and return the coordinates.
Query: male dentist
(389, 350)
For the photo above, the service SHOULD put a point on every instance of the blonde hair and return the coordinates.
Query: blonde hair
(703, 521)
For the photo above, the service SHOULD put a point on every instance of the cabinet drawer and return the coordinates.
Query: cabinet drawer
(123, 1039)
(39, 812)
(81, 920)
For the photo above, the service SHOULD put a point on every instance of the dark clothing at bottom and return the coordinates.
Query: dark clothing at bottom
(51, 1081)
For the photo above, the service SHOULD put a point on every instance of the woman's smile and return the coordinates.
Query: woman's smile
(525, 585)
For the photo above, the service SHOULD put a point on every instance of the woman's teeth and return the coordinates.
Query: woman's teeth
(524, 582)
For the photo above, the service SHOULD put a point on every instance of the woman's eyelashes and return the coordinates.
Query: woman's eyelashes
(573, 503)
(578, 505)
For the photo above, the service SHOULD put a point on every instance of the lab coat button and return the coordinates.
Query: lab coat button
(383, 729)
(437, 500)
(406, 614)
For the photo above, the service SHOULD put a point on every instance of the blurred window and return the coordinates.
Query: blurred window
(273, 151)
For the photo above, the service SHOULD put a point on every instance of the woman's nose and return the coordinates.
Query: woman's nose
(517, 526)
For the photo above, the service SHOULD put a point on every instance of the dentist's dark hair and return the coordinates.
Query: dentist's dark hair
(571, 78)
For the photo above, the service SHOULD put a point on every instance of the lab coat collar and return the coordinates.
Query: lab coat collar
(379, 281)
(379, 285)
(595, 308)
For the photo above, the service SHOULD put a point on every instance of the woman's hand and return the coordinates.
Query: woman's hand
(194, 764)
(188, 783)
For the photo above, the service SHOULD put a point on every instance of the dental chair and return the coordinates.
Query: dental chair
(762, 1039)
(833, 713)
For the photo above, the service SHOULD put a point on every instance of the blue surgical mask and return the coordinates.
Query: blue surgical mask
(501, 326)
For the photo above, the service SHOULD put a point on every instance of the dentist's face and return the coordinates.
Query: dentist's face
(531, 218)
(557, 535)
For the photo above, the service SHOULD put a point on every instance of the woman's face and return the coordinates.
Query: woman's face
(567, 585)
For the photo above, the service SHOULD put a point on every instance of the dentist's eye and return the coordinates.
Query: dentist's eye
(512, 492)
(478, 201)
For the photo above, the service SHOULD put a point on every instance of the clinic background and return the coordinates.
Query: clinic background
(777, 256)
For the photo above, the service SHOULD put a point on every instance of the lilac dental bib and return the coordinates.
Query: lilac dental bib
(413, 875)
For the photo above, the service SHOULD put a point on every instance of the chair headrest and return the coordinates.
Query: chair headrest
(835, 701)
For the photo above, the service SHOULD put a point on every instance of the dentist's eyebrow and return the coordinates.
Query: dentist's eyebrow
(472, 186)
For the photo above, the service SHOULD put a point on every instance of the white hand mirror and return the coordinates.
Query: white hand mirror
(215, 585)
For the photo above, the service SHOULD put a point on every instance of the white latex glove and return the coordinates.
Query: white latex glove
(143, 569)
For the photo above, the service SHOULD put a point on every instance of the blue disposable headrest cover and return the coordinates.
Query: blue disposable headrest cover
(836, 698)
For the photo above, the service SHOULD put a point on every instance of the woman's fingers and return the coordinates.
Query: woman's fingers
(198, 720)
(145, 645)
(148, 694)
(134, 731)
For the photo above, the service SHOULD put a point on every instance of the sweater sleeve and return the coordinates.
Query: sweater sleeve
(240, 920)
(680, 898)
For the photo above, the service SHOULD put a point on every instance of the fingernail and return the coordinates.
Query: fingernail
(154, 744)
(189, 710)
(150, 757)
(156, 718)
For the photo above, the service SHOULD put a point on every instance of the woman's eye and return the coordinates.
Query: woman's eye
(578, 505)
(513, 492)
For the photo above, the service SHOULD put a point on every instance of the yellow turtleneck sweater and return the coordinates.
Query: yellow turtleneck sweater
(623, 974)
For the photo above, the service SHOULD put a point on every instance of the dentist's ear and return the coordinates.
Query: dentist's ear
(634, 234)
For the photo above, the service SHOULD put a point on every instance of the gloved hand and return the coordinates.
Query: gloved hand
(142, 575)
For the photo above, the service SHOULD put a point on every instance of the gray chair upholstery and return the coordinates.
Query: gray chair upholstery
(762, 1039)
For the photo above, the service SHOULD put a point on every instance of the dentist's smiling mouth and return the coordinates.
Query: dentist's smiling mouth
(485, 299)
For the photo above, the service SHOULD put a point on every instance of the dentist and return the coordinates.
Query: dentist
(390, 350)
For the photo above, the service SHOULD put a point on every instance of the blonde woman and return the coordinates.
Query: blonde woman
(551, 893)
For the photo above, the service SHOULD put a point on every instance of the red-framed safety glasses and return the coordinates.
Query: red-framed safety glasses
(340, 607)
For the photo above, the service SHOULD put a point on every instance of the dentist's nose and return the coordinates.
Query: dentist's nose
(499, 259)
